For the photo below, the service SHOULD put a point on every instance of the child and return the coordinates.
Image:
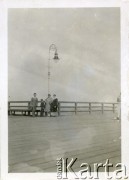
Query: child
(42, 105)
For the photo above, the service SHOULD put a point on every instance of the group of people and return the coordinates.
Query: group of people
(48, 107)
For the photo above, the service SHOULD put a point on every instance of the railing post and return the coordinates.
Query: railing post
(89, 108)
(75, 107)
(29, 108)
(8, 108)
(102, 106)
(58, 108)
(113, 108)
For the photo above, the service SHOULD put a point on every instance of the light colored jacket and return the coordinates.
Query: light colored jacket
(48, 102)
(34, 102)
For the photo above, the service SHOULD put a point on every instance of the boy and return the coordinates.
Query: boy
(42, 105)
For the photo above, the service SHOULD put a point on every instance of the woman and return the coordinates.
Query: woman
(54, 105)
(48, 102)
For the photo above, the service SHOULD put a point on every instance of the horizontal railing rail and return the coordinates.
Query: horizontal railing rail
(64, 106)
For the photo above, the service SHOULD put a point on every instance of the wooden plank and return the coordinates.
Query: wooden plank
(83, 110)
(67, 111)
(67, 106)
(83, 107)
(90, 108)
(35, 143)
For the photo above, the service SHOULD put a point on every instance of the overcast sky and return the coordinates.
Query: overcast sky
(88, 43)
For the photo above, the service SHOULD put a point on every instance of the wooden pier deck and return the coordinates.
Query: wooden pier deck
(36, 143)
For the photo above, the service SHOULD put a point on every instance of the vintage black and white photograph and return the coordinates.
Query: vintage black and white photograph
(64, 90)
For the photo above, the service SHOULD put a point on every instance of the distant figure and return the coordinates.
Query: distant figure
(48, 102)
(54, 105)
(33, 104)
(42, 105)
(119, 107)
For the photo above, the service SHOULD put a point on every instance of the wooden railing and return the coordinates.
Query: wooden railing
(86, 107)
(63, 107)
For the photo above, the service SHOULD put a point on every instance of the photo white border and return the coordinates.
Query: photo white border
(4, 5)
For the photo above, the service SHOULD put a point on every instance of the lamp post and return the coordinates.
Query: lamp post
(56, 58)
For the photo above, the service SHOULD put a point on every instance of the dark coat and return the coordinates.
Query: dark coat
(42, 105)
(54, 105)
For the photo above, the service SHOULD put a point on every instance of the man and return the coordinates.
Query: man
(48, 102)
(54, 105)
(33, 104)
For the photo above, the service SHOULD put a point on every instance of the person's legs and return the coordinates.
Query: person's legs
(46, 113)
(33, 111)
(49, 113)
(55, 111)
(41, 113)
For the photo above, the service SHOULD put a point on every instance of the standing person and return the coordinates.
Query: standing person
(48, 102)
(33, 104)
(54, 105)
(119, 107)
(42, 105)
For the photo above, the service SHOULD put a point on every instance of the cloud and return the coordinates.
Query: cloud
(88, 44)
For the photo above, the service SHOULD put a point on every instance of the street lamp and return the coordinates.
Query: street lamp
(56, 58)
